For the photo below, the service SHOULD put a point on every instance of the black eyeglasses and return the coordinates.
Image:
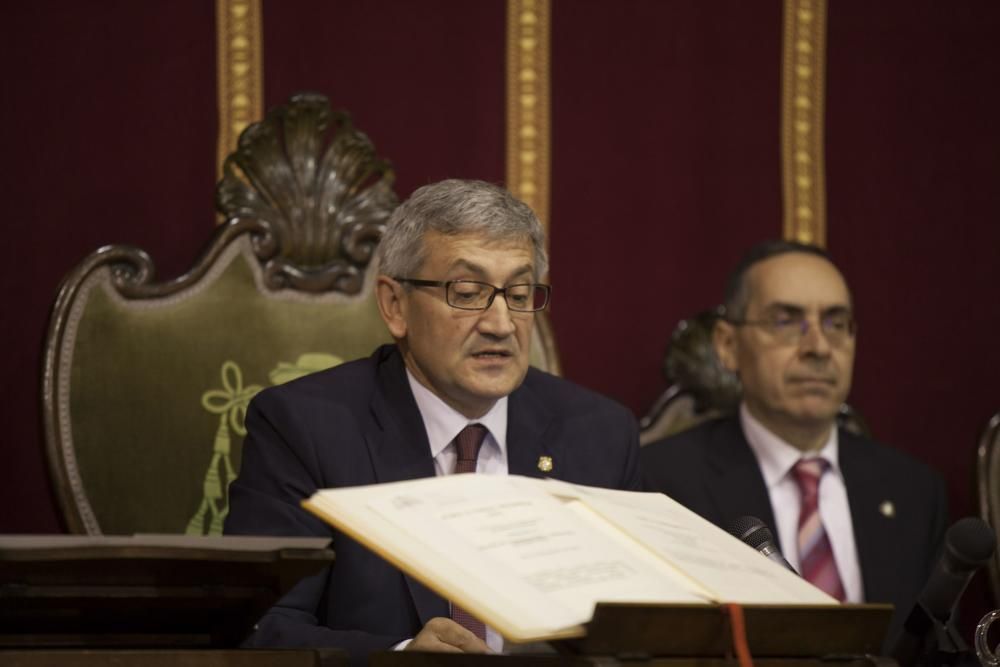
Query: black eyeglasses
(838, 327)
(474, 295)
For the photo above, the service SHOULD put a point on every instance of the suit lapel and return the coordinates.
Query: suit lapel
(875, 531)
(399, 450)
(397, 440)
(527, 422)
(735, 482)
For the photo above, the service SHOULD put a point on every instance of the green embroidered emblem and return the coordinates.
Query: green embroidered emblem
(230, 403)
(304, 365)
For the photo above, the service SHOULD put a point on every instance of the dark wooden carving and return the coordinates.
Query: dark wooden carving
(691, 363)
(320, 189)
(698, 385)
(148, 592)
(310, 190)
(988, 483)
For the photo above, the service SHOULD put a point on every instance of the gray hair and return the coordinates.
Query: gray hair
(456, 207)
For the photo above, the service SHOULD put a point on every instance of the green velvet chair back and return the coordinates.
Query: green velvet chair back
(146, 383)
(700, 387)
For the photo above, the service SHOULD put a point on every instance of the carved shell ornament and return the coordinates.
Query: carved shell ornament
(691, 362)
(320, 193)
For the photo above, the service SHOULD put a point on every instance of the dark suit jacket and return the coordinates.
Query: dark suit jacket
(359, 424)
(712, 470)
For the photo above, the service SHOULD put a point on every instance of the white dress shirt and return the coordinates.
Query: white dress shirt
(776, 458)
(443, 423)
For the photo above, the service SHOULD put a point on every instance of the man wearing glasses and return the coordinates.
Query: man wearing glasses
(860, 520)
(458, 287)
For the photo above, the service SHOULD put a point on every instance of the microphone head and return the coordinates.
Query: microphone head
(751, 530)
(969, 544)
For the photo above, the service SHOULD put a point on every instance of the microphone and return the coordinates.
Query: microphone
(968, 544)
(752, 531)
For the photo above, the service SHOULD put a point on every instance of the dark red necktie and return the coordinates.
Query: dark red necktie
(816, 560)
(467, 443)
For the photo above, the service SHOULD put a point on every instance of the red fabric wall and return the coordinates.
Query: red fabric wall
(665, 159)
(666, 166)
(424, 80)
(913, 172)
(107, 135)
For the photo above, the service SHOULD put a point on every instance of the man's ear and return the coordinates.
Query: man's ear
(392, 304)
(724, 341)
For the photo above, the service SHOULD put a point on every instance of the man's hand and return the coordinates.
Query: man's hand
(445, 635)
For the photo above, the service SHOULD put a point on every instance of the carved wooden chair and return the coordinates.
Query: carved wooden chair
(988, 488)
(700, 387)
(146, 383)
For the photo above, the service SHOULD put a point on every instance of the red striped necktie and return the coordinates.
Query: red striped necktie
(468, 442)
(816, 561)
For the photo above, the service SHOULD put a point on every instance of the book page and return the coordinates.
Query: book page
(504, 548)
(718, 561)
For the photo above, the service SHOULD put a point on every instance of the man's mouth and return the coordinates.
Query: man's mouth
(813, 380)
(492, 354)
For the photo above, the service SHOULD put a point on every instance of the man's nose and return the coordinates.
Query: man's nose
(497, 320)
(814, 340)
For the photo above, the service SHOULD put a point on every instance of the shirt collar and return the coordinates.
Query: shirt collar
(775, 456)
(444, 422)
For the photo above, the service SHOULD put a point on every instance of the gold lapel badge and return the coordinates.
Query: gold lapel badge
(545, 463)
(887, 509)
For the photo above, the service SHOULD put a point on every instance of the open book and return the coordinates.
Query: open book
(531, 558)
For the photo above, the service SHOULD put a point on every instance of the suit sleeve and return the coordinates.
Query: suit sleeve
(939, 522)
(275, 476)
(632, 480)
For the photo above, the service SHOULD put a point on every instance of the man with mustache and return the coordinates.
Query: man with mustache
(458, 287)
(860, 520)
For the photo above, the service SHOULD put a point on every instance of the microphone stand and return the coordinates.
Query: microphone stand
(943, 646)
(950, 648)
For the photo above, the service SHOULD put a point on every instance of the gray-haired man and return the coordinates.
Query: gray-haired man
(458, 288)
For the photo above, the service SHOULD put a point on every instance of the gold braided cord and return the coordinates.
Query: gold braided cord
(528, 103)
(802, 113)
(239, 46)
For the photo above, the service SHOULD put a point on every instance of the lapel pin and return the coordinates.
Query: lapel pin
(545, 463)
(887, 509)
